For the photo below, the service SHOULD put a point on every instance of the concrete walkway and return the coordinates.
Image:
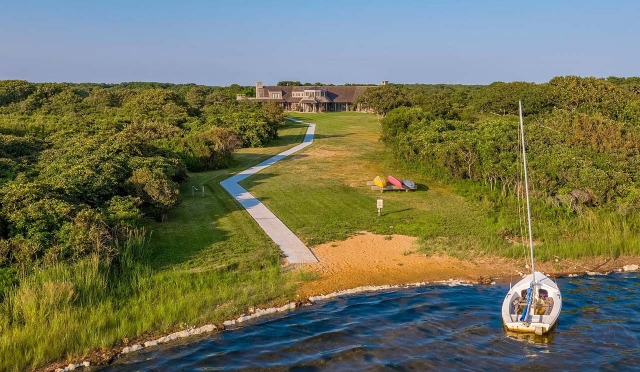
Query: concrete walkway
(293, 248)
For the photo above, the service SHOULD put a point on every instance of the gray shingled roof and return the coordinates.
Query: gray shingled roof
(338, 94)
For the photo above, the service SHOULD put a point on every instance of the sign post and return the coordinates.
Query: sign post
(379, 206)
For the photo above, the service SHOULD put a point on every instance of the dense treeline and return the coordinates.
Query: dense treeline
(582, 138)
(82, 164)
(290, 83)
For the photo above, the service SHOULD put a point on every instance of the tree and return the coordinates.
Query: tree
(287, 83)
(211, 149)
(156, 190)
(502, 98)
(105, 98)
(273, 113)
(13, 91)
(196, 96)
(398, 121)
(383, 99)
(89, 234)
(157, 105)
(122, 214)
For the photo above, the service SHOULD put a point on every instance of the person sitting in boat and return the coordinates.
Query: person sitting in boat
(549, 306)
(541, 305)
(520, 302)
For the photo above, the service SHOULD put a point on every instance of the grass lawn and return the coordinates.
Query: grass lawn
(215, 229)
(321, 192)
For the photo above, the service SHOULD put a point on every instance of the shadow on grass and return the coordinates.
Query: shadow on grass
(324, 136)
(398, 211)
(296, 156)
(296, 138)
(287, 139)
(193, 226)
(257, 179)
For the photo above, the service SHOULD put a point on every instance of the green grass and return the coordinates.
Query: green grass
(210, 262)
(321, 193)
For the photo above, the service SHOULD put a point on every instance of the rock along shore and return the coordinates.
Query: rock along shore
(100, 359)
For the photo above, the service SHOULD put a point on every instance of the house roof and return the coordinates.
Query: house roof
(338, 94)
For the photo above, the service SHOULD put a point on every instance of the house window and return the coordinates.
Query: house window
(275, 95)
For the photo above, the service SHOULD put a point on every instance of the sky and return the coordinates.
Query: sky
(220, 42)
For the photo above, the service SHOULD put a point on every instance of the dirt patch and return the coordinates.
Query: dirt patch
(319, 153)
(370, 259)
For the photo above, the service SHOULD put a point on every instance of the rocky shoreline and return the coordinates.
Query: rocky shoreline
(102, 357)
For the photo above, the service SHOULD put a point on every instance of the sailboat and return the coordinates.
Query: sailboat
(533, 305)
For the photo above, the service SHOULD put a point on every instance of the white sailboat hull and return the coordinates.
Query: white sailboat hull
(543, 312)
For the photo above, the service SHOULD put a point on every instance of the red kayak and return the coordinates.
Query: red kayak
(395, 182)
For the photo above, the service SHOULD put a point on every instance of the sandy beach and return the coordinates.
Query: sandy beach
(371, 260)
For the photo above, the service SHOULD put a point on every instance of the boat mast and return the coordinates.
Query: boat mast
(526, 188)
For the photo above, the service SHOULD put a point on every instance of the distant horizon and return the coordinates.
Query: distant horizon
(303, 82)
(224, 42)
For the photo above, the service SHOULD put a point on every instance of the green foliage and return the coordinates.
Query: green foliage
(13, 91)
(155, 189)
(256, 124)
(588, 95)
(212, 149)
(196, 96)
(287, 83)
(208, 263)
(502, 98)
(122, 214)
(156, 105)
(16, 153)
(383, 99)
(8, 278)
(81, 164)
(582, 136)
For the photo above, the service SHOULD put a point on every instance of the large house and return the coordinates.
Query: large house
(311, 98)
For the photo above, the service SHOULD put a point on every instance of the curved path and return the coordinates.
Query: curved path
(293, 248)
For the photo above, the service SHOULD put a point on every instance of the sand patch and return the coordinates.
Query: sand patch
(372, 260)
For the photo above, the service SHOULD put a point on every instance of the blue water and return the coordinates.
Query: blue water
(427, 328)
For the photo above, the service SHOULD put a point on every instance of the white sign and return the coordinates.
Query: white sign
(379, 203)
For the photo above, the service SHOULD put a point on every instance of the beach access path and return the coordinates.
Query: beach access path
(292, 247)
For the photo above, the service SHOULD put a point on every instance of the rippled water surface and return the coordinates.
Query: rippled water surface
(427, 328)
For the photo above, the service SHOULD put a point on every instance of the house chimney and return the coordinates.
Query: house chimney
(259, 90)
(384, 82)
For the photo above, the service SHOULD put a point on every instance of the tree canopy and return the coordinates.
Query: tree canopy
(82, 164)
(582, 136)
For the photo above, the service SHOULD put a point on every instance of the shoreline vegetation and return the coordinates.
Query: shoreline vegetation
(161, 258)
(105, 357)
